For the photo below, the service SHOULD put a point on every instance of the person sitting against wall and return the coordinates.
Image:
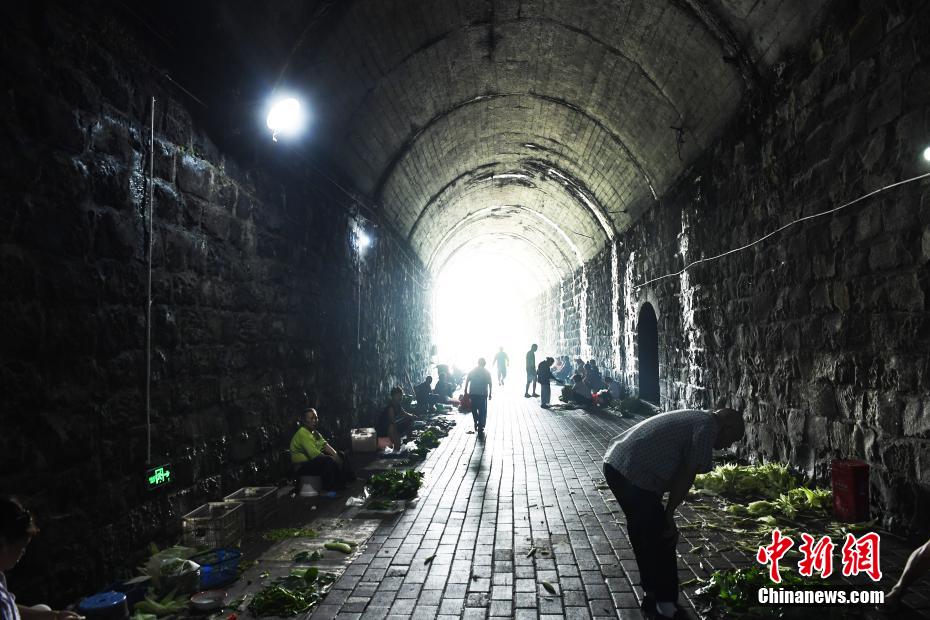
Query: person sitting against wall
(394, 422)
(444, 389)
(311, 455)
(592, 377)
(580, 392)
(425, 397)
(17, 528)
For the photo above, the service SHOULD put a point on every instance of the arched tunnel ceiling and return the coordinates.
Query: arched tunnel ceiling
(547, 125)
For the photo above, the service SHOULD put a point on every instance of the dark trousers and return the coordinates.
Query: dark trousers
(479, 408)
(333, 477)
(645, 523)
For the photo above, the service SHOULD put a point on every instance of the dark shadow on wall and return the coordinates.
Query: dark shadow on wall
(648, 349)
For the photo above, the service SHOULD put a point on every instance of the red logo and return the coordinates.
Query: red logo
(774, 552)
(859, 555)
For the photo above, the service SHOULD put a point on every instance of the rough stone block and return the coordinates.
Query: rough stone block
(885, 254)
(195, 176)
(916, 421)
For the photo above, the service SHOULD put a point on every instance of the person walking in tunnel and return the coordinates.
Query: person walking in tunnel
(501, 361)
(544, 378)
(478, 388)
(663, 454)
(311, 455)
(394, 422)
(530, 371)
(17, 528)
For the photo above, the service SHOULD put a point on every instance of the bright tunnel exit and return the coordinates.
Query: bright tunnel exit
(480, 304)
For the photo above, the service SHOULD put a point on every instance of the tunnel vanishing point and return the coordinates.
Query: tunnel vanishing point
(176, 284)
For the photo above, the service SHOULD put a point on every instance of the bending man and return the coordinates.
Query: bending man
(663, 454)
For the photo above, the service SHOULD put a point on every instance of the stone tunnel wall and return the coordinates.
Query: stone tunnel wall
(254, 315)
(821, 334)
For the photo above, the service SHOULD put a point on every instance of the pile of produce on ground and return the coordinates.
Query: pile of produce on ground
(395, 484)
(741, 481)
(749, 501)
(168, 605)
(295, 594)
(733, 593)
(428, 438)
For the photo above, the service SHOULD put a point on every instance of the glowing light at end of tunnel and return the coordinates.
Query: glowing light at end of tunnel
(480, 304)
(285, 118)
(927, 153)
(362, 240)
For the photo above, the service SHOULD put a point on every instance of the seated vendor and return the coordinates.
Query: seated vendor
(394, 422)
(580, 392)
(17, 528)
(444, 389)
(425, 396)
(311, 455)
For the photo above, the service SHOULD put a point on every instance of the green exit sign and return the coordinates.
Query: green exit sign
(157, 477)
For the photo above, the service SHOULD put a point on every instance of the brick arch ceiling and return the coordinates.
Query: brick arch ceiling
(542, 125)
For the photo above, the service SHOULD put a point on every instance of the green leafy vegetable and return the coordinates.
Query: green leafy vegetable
(307, 556)
(292, 595)
(396, 484)
(769, 480)
(735, 591)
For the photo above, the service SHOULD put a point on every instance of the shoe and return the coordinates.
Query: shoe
(535, 394)
(525, 395)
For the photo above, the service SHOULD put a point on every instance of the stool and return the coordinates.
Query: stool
(311, 486)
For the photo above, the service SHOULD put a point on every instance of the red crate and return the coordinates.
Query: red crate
(850, 490)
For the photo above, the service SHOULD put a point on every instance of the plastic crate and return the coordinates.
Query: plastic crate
(260, 503)
(215, 525)
(218, 567)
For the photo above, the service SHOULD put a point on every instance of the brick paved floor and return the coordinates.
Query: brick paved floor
(462, 552)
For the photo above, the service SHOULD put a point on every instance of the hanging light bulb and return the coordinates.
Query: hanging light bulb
(286, 118)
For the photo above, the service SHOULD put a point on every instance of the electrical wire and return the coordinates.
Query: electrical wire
(788, 225)
(148, 297)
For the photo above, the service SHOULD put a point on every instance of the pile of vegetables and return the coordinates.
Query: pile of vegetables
(295, 594)
(428, 439)
(733, 593)
(169, 605)
(289, 532)
(396, 484)
(769, 480)
(788, 504)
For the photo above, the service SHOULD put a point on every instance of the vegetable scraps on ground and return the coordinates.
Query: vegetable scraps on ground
(396, 484)
(289, 532)
(295, 594)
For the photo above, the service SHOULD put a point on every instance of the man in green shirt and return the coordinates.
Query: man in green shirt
(311, 455)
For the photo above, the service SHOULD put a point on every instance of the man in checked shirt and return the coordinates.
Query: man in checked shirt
(663, 454)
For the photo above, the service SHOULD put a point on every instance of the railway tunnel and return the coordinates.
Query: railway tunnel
(723, 203)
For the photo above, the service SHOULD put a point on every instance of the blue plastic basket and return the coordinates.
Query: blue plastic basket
(218, 567)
